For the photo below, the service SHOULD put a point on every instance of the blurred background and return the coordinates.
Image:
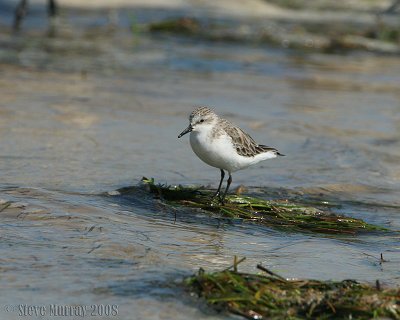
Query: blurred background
(93, 96)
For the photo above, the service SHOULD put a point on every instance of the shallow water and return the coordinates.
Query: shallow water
(85, 113)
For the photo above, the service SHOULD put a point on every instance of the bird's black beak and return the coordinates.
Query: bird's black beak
(187, 130)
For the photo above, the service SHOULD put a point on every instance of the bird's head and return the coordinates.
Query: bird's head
(200, 118)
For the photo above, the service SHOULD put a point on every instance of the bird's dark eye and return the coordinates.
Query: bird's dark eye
(202, 120)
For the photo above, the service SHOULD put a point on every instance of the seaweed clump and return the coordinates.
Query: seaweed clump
(260, 296)
(305, 35)
(280, 214)
(184, 25)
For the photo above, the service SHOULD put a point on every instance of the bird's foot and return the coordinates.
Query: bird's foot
(217, 194)
(219, 199)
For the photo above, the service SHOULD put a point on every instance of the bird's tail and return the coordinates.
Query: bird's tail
(266, 149)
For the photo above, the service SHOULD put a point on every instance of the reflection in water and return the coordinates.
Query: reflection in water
(75, 125)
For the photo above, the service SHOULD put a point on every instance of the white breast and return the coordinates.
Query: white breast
(220, 153)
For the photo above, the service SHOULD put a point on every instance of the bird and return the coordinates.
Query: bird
(22, 9)
(223, 145)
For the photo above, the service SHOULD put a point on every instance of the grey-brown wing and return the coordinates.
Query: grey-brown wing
(244, 144)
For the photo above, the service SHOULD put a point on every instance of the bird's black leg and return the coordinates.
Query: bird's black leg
(52, 8)
(20, 13)
(52, 11)
(228, 184)
(220, 184)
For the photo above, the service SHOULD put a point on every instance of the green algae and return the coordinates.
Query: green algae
(279, 214)
(325, 37)
(183, 25)
(270, 296)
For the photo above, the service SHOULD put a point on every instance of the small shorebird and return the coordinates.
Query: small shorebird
(223, 145)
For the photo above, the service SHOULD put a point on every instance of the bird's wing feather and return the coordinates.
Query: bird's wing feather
(244, 144)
